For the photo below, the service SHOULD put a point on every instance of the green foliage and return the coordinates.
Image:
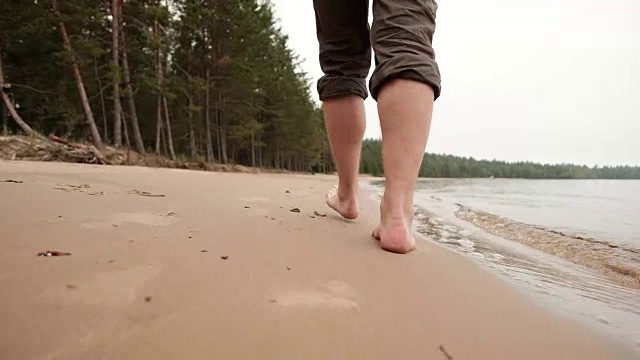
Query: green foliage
(449, 166)
(259, 104)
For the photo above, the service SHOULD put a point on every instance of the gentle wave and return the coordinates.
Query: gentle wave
(620, 263)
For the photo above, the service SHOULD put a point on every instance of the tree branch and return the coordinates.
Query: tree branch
(33, 89)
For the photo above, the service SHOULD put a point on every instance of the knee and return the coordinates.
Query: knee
(415, 68)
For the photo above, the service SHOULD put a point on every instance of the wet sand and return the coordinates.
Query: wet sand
(169, 264)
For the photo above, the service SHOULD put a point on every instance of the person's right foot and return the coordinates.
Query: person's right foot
(347, 207)
(394, 232)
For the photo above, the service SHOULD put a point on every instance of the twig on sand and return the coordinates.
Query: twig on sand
(54, 253)
(144, 193)
(445, 353)
(12, 181)
(82, 188)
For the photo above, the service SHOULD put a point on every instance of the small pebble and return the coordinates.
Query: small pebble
(147, 299)
(204, 251)
(224, 257)
(295, 210)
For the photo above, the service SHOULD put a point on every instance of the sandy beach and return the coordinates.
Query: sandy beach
(176, 264)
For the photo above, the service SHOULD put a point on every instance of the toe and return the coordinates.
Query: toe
(332, 192)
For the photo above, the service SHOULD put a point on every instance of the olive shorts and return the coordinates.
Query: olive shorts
(401, 36)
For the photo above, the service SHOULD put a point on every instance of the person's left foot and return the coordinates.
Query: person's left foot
(346, 206)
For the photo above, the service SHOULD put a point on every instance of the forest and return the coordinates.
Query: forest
(196, 79)
(202, 80)
(449, 166)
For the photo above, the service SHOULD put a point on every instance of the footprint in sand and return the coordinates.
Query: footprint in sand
(118, 288)
(332, 295)
(143, 218)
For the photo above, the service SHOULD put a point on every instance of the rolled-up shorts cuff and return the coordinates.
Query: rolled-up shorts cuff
(408, 67)
(332, 86)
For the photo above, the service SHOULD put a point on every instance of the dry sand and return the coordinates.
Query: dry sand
(221, 268)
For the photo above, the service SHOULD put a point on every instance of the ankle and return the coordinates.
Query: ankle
(347, 192)
(397, 207)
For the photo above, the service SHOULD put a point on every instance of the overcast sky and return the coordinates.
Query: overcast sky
(541, 80)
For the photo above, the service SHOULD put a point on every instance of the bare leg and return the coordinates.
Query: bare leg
(405, 109)
(345, 122)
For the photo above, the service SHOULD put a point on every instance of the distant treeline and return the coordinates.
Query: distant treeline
(449, 166)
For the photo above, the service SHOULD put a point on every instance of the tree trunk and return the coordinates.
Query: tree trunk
(102, 103)
(97, 141)
(9, 106)
(192, 131)
(5, 118)
(253, 150)
(218, 135)
(126, 131)
(207, 98)
(115, 70)
(172, 152)
(159, 79)
(163, 139)
(126, 137)
(158, 124)
(169, 136)
(137, 135)
(222, 128)
(207, 116)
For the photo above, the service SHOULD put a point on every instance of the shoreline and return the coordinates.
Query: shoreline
(154, 274)
(597, 301)
(613, 259)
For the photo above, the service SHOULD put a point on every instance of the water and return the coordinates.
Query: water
(604, 209)
(573, 246)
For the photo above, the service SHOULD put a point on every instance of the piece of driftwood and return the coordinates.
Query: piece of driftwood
(82, 152)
